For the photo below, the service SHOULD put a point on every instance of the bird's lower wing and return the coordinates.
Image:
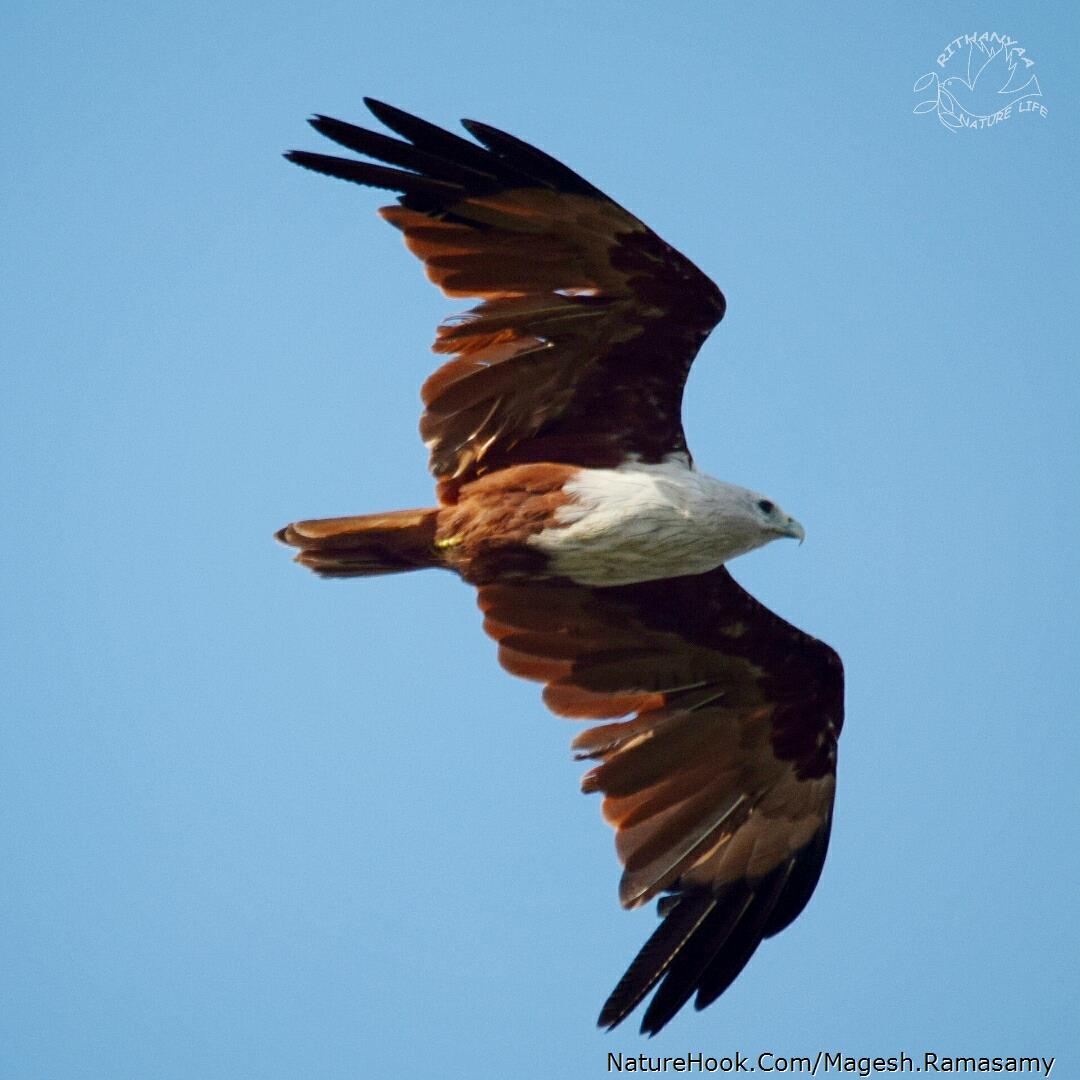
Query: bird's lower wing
(716, 758)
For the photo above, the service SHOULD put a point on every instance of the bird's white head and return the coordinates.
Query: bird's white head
(747, 520)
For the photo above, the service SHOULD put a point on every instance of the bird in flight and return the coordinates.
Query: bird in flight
(568, 497)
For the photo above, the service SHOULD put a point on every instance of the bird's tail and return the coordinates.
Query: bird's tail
(366, 545)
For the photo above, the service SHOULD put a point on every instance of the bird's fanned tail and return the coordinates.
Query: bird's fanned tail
(367, 544)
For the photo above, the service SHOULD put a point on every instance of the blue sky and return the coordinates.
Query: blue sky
(258, 825)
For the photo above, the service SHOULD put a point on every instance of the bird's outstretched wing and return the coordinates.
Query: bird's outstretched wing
(588, 324)
(719, 785)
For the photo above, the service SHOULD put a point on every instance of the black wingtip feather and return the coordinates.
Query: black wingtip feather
(528, 158)
(445, 144)
(686, 971)
(498, 161)
(419, 191)
(383, 112)
(395, 152)
(809, 862)
(681, 921)
(744, 941)
(706, 939)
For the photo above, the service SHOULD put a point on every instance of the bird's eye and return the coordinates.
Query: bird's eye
(765, 506)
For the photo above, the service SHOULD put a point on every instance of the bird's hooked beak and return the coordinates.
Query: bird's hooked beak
(793, 529)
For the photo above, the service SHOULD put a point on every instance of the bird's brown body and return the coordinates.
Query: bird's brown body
(483, 536)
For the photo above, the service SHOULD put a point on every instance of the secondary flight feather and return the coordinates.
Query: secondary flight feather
(568, 497)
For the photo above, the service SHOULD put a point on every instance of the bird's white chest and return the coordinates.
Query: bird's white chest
(642, 522)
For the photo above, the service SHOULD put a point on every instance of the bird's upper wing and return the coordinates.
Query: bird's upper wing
(589, 321)
(720, 785)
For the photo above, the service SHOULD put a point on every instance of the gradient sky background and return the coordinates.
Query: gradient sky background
(258, 825)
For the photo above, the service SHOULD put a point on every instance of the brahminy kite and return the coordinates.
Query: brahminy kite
(567, 496)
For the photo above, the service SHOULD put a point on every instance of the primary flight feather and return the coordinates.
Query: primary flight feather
(567, 495)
